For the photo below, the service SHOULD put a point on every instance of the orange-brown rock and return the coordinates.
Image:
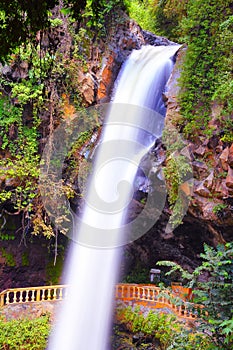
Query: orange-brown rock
(200, 151)
(229, 178)
(86, 87)
(209, 181)
(224, 158)
(68, 108)
(230, 156)
(106, 79)
(221, 190)
(201, 190)
(200, 170)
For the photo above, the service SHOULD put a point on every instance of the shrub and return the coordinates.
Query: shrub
(24, 334)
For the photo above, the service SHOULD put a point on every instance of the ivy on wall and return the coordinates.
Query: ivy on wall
(206, 76)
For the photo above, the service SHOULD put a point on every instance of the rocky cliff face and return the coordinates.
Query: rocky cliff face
(211, 160)
(209, 218)
(26, 260)
(107, 55)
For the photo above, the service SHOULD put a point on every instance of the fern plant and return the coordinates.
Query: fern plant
(215, 293)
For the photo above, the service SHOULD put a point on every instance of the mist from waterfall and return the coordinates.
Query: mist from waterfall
(92, 268)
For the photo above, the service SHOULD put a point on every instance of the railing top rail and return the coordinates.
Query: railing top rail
(137, 285)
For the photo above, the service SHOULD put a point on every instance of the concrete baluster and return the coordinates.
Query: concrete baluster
(1, 299)
(122, 292)
(7, 298)
(49, 294)
(38, 295)
(60, 293)
(33, 295)
(128, 291)
(15, 297)
(27, 295)
(136, 292)
(55, 294)
(154, 295)
(143, 293)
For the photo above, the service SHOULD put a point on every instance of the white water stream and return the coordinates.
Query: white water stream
(84, 320)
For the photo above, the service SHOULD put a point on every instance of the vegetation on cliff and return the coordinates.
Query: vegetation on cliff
(44, 44)
(39, 84)
(20, 20)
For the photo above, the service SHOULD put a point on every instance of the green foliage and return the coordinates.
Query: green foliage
(143, 13)
(19, 19)
(219, 208)
(215, 294)
(177, 172)
(54, 271)
(165, 329)
(162, 17)
(227, 330)
(137, 276)
(24, 334)
(101, 14)
(25, 259)
(9, 257)
(20, 137)
(206, 76)
(168, 17)
(174, 268)
(20, 132)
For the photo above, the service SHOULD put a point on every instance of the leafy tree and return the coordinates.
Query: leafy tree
(20, 19)
(143, 12)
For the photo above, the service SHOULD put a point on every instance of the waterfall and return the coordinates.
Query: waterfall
(130, 130)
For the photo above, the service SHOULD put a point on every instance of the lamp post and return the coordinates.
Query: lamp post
(155, 273)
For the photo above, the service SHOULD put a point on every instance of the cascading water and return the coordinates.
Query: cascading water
(84, 320)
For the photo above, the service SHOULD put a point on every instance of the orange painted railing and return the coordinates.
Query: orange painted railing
(154, 297)
(31, 294)
(150, 296)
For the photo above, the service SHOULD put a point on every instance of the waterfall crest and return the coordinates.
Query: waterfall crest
(84, 320)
